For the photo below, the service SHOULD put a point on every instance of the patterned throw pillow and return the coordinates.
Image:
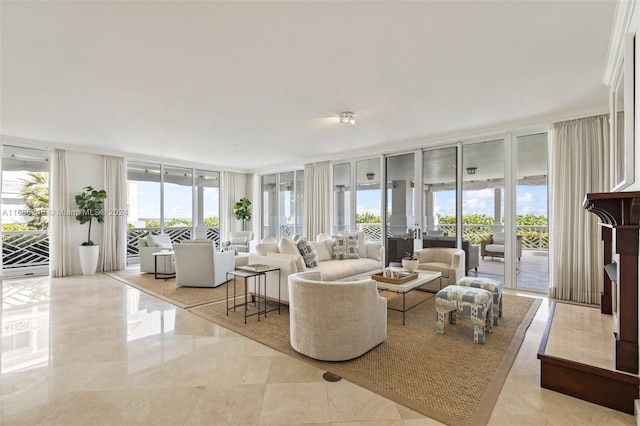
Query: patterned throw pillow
(308, 252)
(345, 247)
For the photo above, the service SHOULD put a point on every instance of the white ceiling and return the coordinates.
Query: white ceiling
(258, 85)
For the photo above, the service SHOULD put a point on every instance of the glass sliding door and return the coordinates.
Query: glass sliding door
(287, 203)
(270, 207)
(25, 211)
(532, 225)
(369, 198)
(144, 204)
(483, 204)
(439, 192)
(178, 202)
(207, 217)
(400, 206)
(341, 197)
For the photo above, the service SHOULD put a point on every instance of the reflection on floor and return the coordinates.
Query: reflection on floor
(91, 350)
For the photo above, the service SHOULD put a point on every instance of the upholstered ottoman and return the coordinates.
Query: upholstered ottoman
(446, 306)
(475, 302)
(495, 287)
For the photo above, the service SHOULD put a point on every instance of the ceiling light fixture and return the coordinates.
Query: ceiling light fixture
(347, 117)
(471, 170)
(370, 175)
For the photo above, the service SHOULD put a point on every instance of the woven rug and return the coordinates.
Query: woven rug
(446, 377)
(183, 297)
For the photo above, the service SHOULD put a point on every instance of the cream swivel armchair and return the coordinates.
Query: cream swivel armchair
(199, 265)
(448, 261)
(240, 240)
(335, 321)
(149, 245)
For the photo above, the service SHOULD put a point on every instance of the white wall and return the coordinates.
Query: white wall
(84, 170)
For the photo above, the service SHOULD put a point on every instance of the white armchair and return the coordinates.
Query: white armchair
(240, 240)
(448, 261)
(199, 265)
(149, 245)
(335, 321)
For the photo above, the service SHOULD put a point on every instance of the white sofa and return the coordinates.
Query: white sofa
(335, 321)
(370, 262)
(149, 245)
(200, 265)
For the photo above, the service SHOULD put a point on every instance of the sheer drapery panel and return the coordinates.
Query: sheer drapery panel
(579, 165)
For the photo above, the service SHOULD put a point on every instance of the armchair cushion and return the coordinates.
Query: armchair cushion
(238, 240)
(157, 240)
(448, 261)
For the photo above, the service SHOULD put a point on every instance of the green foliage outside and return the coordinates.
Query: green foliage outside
(531, 238)
(9, 227)
(367, 218)
(155, 223)
(35, 194)
(483, 219)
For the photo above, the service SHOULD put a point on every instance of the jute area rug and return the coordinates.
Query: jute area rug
(183, 297)
(446, 377)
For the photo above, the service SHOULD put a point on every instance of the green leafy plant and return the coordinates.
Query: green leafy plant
(35, 194)
(242, 210)
(91, 206)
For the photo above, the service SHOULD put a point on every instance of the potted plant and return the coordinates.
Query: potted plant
(410, 262)
(242, 211)
(90, 206)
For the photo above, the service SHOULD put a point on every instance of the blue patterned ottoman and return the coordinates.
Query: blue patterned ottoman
(495, 287)
(475, 302)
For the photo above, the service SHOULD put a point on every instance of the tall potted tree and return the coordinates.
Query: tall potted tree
(242, 211)
(90, 206)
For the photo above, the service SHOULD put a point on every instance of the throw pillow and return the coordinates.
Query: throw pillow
(263, 248)
(155, 240)
(288, 246)
(362, 250)
(345, 247)
(308, 252)
(322, 250)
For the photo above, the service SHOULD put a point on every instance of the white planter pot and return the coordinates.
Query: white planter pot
(89, 259)
(410, 265)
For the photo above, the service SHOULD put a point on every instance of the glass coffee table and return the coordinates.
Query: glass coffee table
(424, 277)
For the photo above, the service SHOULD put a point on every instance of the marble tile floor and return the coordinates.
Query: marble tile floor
(90, 350)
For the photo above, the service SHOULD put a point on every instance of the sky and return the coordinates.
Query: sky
(530, 199)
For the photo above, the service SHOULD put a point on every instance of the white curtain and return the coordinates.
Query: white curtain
(114, 231)
(579, 165)
(234, 187)
(317, 202)
(60, 250)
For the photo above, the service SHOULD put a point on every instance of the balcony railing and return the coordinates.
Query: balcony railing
(176, 234)
(22, 249)
(534, 237)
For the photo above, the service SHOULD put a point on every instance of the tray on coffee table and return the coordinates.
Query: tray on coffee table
(407, 276)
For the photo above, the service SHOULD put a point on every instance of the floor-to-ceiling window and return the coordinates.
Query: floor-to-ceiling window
(25, 211)
(483, 203)
(178, 202)
(342, 197)
(369, 198)
(439, 180)
(532, 224)
(207, 213)
(282, 204)
(400, 206)
(161, 200)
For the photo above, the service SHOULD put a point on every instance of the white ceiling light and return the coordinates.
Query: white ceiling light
(347, 117)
